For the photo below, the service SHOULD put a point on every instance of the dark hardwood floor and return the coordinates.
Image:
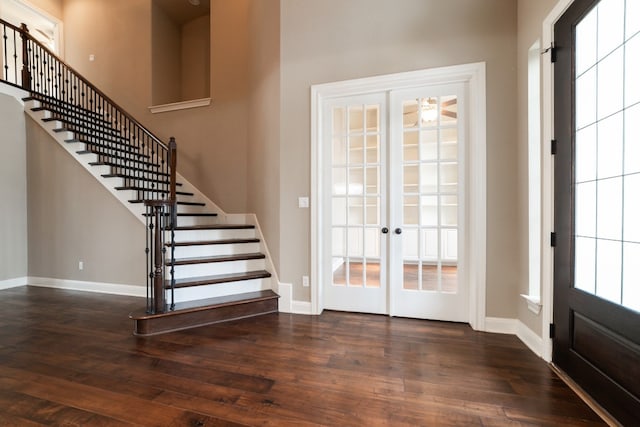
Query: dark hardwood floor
(69, 358)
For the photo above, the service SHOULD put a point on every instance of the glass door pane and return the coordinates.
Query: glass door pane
(430, 194)
(356, 195)
(607, 164)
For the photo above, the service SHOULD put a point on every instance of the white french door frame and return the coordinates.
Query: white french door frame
(473, 76)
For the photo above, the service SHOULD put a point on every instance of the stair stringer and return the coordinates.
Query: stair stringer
(138, 209)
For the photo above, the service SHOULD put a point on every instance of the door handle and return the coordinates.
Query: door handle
(384, 230)
(398, 230)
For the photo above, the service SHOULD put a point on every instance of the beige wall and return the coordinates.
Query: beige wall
(531, 14)
(212, 141)
(165, 50)
(73, 218)
(13, 190)
(52, 7)
(263, 161)
(196, 63)
(336, 40)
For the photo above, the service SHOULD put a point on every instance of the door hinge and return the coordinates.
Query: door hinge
(553, 50)
(553, 239)
(552, 330)
(554, 146)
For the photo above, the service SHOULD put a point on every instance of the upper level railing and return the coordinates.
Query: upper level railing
(145, 162)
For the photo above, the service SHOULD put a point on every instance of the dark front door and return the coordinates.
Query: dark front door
(597, 202)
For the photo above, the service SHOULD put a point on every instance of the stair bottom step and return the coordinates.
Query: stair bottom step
(193, 314)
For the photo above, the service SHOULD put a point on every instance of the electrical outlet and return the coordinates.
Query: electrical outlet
(303, 202)
(305, 281)
(80, 265)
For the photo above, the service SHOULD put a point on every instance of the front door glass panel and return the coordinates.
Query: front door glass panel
(607, 153)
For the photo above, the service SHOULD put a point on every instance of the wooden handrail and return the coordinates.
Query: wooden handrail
(25, 34)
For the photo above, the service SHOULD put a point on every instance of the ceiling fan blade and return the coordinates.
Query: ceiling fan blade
(451, 114)
(449, 102)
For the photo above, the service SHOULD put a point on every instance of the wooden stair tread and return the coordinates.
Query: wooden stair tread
(190, 203)
(215, 227)
(84, 124)
(197, 214)
(178, 202)
(93, 117)
(156, 190)
(218, 278)
(129, 168)
(138, 178)
(216, 258)
(77, 133)
(183, 214)
(50, 101)
(61, 116)
(130, 156)
(215, 242)
(111, 145)
(192, 314)
(209, 303)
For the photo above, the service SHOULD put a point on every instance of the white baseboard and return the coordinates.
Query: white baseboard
(530, 338)
(287, 304)
(285, 291)
(13, 283)
(501, 325)
(78, 285)
(301, 307)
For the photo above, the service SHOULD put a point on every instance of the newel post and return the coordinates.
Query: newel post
(173, 161)
(26, 74)
(158, 262)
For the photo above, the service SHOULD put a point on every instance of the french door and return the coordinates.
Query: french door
(394, 203)
(355, 203)
(597, 208)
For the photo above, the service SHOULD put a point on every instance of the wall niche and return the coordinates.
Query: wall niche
(180, 50)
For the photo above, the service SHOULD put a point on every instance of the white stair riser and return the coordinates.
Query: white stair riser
(214, 268)
(192, 209)
(188, 221)
(89, 157)
(77, 146)
(199, 235)
(102, 170)
(219, 290)
(214, 250)
(115, 181)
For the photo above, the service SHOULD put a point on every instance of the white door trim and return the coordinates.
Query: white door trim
(473, 75)
(33, 12)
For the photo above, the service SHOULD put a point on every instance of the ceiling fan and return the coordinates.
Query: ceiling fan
(429, 109)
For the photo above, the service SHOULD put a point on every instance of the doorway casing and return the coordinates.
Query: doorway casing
(473, 77)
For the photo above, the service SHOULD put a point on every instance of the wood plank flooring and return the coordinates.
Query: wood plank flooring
(69, 358)
(369, 276)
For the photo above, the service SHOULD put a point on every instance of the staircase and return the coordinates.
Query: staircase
(204, 266)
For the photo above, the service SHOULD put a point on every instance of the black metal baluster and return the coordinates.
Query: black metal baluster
(147, 251)
(15, 58)
(5, 58)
